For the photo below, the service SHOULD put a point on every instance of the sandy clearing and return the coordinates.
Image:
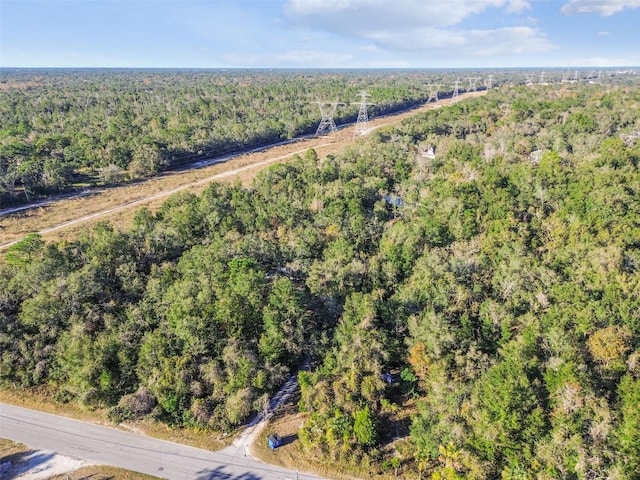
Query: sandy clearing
(40, 465)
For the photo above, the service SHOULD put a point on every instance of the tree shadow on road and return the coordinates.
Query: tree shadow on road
(247, 476)
(219, 474)
(214, 474)
(20, 463)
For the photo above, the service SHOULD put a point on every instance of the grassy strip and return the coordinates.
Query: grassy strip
(10, 450)
(102, 472)
(286, 423)
(42, 400)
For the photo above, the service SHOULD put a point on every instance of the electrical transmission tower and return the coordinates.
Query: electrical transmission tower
(489, 82)
(433, 93)
(327, 111)
(541, 82)
(473, 82)
(529, 80)
(454, 96)
(362, 124)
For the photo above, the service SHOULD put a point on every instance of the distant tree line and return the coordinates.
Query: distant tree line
(62, 128)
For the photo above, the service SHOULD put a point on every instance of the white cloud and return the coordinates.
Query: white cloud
(441, 43)
(602, 7)
(344, 16)
(418, 27)
(516, 6)
(603, 34)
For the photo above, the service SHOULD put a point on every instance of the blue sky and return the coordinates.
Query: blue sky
(319, 33)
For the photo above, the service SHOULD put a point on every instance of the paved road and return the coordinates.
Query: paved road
(104, 445)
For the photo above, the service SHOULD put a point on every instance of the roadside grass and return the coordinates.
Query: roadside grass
(43, 400)
(16, 226)
(102, 472)
(287, 421)
(10, 451)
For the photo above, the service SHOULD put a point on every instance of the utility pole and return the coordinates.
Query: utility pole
(362, 123)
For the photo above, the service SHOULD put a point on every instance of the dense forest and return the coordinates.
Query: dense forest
(473, 315)
(65, 128)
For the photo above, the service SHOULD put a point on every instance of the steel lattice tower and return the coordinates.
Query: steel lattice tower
(529, 80)
(454, 96)
(473, 82)
(362, 123)
(327, 111)
(489, 82)
(433, 93)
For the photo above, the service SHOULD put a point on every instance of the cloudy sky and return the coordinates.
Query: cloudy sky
(319, 33)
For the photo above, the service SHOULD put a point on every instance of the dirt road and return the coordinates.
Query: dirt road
(65, 219)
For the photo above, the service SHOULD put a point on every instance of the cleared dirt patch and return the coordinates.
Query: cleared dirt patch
(20, 463)
(39, 465)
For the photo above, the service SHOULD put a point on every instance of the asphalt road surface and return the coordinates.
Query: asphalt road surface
(105, 445)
